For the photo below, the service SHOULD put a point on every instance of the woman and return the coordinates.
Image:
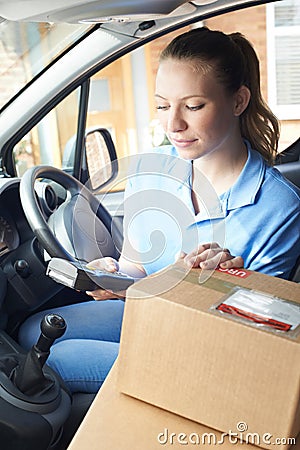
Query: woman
(209, 103)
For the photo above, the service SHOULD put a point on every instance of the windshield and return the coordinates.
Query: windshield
(27, 48)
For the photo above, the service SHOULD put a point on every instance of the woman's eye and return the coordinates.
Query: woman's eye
(161, 108)
(195, 108)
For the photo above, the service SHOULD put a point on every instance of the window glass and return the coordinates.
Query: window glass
(52, 140)
(284, 58)
(287, 13)
(287, 48)
(27, 48)
(99, 99)
(119, 102)
(122, 101)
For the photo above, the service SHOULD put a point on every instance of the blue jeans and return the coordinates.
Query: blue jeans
(84, 355)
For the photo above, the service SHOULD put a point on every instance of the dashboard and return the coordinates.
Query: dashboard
(24, 286)
(14, 228)
(9, 236)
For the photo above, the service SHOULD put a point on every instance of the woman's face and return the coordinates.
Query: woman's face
(197, 114)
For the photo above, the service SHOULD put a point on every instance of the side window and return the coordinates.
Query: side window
(284, 46)
(283, 35)
(52, 140)
(274, 31)
(121, 100)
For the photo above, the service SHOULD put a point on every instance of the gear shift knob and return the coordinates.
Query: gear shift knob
(28, 376)
(53, 327)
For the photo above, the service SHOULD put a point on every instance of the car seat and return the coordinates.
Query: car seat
(288, 163)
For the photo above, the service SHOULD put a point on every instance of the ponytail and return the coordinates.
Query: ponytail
(235, 63)
(258, 124)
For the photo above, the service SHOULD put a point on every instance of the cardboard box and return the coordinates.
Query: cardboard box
(180, 353)
(116, 421)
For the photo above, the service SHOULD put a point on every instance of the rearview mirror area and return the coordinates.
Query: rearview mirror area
(101, 158)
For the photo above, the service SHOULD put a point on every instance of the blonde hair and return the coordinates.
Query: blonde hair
(235, 64)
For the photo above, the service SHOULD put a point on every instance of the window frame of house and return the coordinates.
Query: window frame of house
(287, 111)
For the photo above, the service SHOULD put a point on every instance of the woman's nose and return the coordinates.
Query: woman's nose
(176, 121)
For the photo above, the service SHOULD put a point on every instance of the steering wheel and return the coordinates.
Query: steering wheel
(80, 228)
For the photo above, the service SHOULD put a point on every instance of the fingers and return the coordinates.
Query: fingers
(211, 256)
(181, 256)
(107, 263)
(202, 247)
(110, 265)
(101, 294)
(207, 256)
(191, 258)
(236, 262)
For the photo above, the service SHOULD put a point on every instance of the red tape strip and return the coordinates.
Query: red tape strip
(254, 317)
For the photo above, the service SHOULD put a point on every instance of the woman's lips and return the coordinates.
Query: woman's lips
(183, 143)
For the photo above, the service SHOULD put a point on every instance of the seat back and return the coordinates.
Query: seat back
(288, 163)
(291, 171)
(295, 276)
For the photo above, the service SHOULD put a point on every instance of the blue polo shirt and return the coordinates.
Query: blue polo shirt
(258, 218)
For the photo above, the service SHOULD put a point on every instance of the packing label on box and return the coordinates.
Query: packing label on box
(261, 309)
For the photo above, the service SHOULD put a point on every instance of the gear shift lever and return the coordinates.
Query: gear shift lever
(53, 327)
(28, 376)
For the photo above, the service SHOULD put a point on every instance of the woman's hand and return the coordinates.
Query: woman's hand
(211, 256)
(110, 265)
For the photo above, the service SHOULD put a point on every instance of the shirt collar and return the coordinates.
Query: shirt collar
(242, 193)
(245, 189)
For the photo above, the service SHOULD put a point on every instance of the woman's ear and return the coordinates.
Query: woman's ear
(241, 100)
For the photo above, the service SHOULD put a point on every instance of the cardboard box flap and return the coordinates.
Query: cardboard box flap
(117, 421)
